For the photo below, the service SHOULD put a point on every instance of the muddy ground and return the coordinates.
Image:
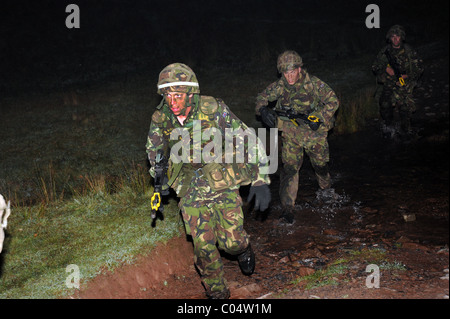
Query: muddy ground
(388, 208)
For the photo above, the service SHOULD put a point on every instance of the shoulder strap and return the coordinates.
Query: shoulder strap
(158, 116)
(311, 87)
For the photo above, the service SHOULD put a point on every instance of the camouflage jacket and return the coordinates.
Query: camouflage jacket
(207, 112)
(408, 61)
(309, 95)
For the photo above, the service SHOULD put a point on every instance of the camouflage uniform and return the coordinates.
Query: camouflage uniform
(393, 95)
(309, 95)
(211, 217)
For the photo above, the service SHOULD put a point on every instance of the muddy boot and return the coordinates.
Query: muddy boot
(388, 131)
(247, 261)
(287, 214)
(327, 197)
(224, 294)
(323, 176)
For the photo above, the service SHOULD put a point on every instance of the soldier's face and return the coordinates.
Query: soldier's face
(396, 40)
(292, 76)
(177, 102)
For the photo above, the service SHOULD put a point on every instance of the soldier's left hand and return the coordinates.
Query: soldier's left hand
(262, 196)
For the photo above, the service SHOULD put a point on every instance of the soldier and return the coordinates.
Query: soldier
(398, 67)
(297, 92)
(209, 190)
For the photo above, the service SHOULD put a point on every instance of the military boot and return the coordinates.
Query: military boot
(223, 294)
(287, 214)
(388, 131)
(323, 176)
(247, 261)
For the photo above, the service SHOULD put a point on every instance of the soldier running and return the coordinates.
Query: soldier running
(297, 92)
(208, 190)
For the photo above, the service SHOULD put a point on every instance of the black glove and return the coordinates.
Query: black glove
(268, 116)
(314, 122)
(262, 196)
(314, 125)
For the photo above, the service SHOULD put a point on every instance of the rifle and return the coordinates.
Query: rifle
(394, 65)
(311, 120)
(161, 167)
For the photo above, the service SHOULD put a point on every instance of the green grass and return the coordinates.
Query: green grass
(97, 231)
(343, 266)
(322, 277)
(353, 112)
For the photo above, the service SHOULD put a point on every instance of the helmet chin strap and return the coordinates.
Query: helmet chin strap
(194, 102)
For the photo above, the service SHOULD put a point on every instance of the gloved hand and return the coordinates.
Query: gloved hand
(262, 196)
(314, 121)
(268, 116)
(314, 125)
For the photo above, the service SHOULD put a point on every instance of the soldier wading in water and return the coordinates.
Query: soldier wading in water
(398, 67)
(209, 191)
(304, 113)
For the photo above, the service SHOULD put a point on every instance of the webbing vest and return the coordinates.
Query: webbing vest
(219, 176)
(311, 90)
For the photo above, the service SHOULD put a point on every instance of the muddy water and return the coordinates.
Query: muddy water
(382, 190)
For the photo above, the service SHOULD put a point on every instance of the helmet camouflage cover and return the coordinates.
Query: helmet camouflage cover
(289, 60)
(397, 30)
(177, 77)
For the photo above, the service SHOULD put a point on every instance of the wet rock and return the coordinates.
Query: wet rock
(330, 232)
(409, 217)
(245, 291)
(415, 246)
(445, 277)
(306, 271)
(284, 260)
(369, 210)
(312, 253)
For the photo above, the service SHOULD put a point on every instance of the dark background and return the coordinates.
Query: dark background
(121, 38)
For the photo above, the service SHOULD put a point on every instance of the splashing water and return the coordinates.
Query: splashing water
(328, 203)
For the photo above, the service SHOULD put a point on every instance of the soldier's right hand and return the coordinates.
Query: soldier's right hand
(268, 116)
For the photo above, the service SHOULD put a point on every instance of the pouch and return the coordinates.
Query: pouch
(223, 176)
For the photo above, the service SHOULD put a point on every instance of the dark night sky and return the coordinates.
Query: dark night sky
(119, 36)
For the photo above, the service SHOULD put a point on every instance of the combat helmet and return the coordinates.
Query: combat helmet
(288, 60)
(177, 77)
(397, 30)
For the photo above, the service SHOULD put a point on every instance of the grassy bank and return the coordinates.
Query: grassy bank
(98, 231)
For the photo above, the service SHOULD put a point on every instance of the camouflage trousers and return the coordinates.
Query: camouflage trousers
(399, 98)
(212, 226)
(297, 141)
